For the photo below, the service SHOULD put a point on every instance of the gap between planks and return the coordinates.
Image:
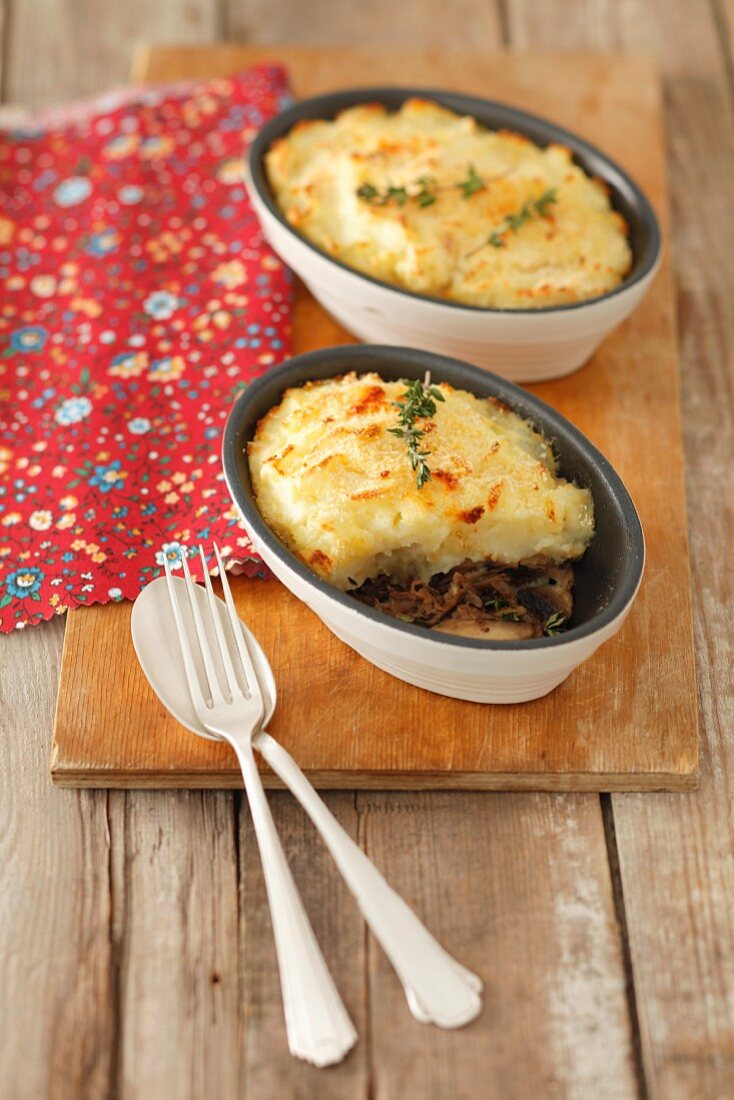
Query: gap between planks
(615, 874)
(530, 783)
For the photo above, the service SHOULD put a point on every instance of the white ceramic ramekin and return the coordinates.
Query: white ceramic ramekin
(524, 345)
(607, 578)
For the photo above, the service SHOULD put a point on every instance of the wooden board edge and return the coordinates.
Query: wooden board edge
(569, 782)
(146, 54)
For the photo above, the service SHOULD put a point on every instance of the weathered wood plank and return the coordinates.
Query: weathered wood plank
(163, 951)
(57, 1017)
(3, 45)
(175, 936)
(676, 854)
(518, 888)
(62, 49)
(722, 12)
(269, 1069)
(460, 24)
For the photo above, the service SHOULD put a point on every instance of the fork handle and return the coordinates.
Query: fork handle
(439, 990)
(317, 1024)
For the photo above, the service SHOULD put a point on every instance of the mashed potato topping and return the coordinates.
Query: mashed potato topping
(433, 202)
(339, 490)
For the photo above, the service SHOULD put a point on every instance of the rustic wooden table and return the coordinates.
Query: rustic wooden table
(136, 958)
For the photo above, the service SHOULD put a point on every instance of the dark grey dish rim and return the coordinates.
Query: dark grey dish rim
(330, 362)
(637, 210)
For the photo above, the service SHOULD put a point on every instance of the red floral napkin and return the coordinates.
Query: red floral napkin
(137, 298)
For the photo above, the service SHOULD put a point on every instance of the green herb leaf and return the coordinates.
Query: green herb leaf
(471, 184)
(423, 190)
(494, 603)
(532, 208)
(419, 402)
(426, 193)
(545, 201)
(555, 623)
(400, 194)
(368, 192)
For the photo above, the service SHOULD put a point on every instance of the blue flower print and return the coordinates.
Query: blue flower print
(103, 243)
(160, 305)
(72, 191)
(30, 338)
(139, 425)
(21, 489)
(22, 584)
(106, 478)
(174, 552)
(73, 410)
(130, 195)
(43, 397)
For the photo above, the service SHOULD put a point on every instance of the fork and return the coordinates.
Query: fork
(439, 990)
(318, 1026)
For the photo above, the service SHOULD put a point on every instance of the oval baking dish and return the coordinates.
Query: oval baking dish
(607, 577)
(521, 344)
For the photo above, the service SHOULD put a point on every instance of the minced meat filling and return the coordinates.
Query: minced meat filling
(536, 600)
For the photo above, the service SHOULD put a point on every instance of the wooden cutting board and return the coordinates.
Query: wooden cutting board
(627, 719)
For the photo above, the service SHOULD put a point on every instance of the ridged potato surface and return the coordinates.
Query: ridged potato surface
(338, 488)
(578, 250)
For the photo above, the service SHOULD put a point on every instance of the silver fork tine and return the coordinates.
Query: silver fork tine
(229, 672)
(211, 673)
(192, 678)
(234, 622)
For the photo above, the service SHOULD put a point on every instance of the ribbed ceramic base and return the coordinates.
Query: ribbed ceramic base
(532, 362)
(485, 688)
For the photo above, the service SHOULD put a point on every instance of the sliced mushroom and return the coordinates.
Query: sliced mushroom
(489, 630)
(554, 598)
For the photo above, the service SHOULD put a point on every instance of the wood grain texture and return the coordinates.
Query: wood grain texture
(62, 49)
(350, 725)
(626, 720)
(4, 49)
(56, 965)
(267, 1067)
(175, 932)
(351, 22)
(529, 882)
(676, 854)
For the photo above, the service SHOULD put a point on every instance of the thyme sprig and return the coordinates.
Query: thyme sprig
(370, 194)
(532, 208)
(424, 190)
(426, 193)
(418, 403)
(471, 184)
